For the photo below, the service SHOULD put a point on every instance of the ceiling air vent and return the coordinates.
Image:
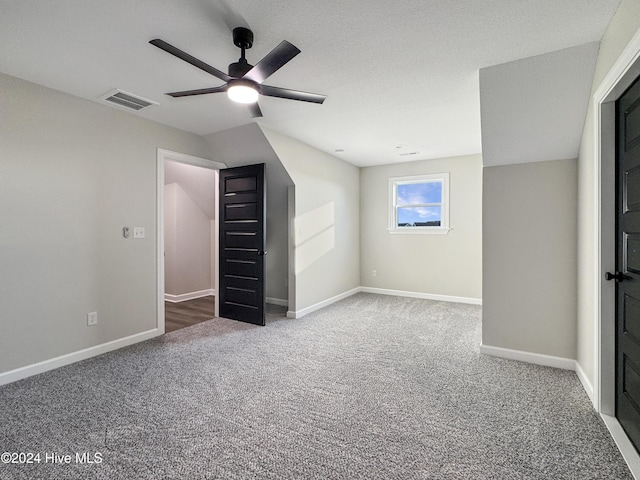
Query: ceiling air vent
(127, 100)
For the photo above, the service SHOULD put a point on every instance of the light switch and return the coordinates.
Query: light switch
(138, 232)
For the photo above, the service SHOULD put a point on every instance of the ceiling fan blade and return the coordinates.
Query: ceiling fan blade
(200, 91)
(176, 52)
(275, 59)
(254, 110)
(270, 91)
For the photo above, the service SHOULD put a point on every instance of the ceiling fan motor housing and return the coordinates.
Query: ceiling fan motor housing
(242, 37)
(239, 68)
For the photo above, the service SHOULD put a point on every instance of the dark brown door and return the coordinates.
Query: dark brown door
(627, 273)
(242, 237)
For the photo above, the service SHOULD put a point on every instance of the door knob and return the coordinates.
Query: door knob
(618, 276)
(262, 253)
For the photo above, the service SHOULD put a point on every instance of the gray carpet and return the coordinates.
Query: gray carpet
(373, 387)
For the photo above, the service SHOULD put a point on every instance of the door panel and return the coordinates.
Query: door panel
(631, 124)
(628, 262)
(241, 211)
(631, 310)
(242, 239)
(631, 247)
(632, 189)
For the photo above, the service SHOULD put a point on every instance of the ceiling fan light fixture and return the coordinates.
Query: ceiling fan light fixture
(243, 83)
(242, 92)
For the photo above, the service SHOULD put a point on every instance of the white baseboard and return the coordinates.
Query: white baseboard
(61, 361)
(188, 296)
(205, 293)
(319, 305)
(425, 296)
(529, 357)
(542, 359)
(586, 384)
(277, 301)
(628, 451)
(382, 291)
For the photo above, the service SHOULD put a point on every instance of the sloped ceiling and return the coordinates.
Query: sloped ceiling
(197, 182)
(534, 109)
(402, 73)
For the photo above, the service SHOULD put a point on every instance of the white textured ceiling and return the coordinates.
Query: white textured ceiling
(395, 73)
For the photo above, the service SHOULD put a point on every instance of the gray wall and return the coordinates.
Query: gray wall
(532, 111)
(529, 229)
(72, 174)
(448, 264)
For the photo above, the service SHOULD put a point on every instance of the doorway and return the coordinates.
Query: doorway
(619, 78)
(178, 315)
(191, 271)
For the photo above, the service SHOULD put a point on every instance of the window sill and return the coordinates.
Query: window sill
(420, 231)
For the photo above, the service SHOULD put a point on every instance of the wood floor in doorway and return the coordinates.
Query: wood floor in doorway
(187, 313)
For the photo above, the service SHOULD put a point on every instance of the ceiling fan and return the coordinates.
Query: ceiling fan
(244, 81)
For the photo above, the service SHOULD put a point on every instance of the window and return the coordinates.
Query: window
(419, 204)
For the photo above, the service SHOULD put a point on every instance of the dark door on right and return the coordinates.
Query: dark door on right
(627, 274)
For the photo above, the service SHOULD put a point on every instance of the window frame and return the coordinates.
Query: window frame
(443, 228)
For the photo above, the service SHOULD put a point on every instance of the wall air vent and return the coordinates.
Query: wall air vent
(127, 100)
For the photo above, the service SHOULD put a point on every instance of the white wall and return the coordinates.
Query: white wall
(529, 237)
(170, 239)
(449, 264)
(187, 244)
(72, 174)
(327, 221)
(621, 29)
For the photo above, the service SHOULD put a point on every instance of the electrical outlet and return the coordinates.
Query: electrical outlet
(374, 273)
(92, 318)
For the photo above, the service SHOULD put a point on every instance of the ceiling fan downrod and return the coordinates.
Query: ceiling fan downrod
(243, 39)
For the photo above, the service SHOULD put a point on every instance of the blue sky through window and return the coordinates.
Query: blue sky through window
(419, 193)
(411, 199)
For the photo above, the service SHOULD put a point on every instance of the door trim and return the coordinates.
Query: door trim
(163, 155)
(623, 72)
